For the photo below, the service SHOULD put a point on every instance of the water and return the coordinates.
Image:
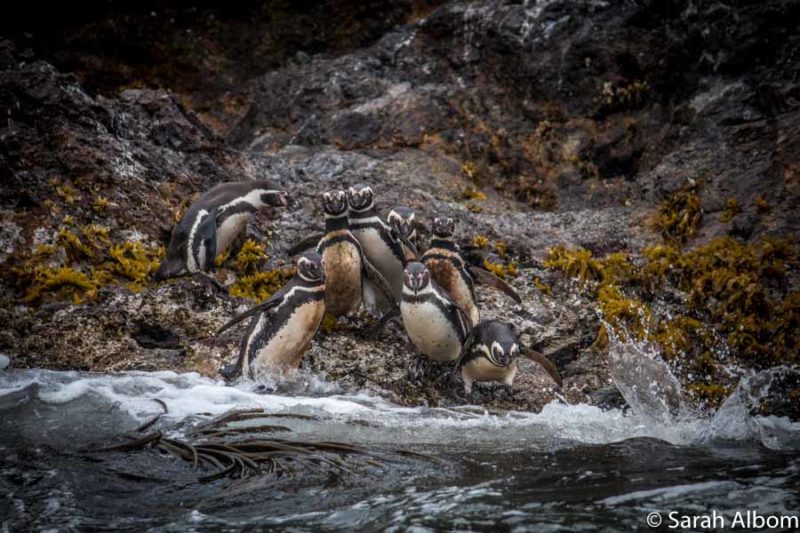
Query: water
(570, 467)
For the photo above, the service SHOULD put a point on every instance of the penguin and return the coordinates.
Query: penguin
(212, 222)
(436, 325)
(492, 356)
(282, 327)
(403, 222)
(449, 270)
(382, 246)
(347, 267)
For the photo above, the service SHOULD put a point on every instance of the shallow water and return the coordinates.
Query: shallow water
(569, 467)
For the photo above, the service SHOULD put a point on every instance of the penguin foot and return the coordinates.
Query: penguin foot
(205, 279)
(229, 372)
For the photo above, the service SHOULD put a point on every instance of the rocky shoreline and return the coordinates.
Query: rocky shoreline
(535, 126)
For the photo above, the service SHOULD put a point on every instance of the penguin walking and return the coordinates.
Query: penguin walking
(212, 223)
(492, 356)
(347, 267)
(436, 325)
(282, 327)
(449, 270)
(382, 246)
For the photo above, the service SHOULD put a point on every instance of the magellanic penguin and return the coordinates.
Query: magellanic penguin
(449, 270)
(212, 222)
(347, 267)
(404, 223)
(382, 246)
(283, 326)
(492, 356)
(436, 325)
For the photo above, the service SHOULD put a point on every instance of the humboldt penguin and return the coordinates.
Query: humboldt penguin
(212, 222)
(382, 246)
(492, 356)
(283, 326)
(449, 270)
(347, 267)
(436, 325)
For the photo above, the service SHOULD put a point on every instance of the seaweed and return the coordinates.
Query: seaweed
(261, 285)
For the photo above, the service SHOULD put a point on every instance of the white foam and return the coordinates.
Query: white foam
(345, 416)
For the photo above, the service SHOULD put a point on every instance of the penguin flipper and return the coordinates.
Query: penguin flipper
(546, 363)
(484, 277)
(374, 276)
(304, 244)
(260, 308)
(408, 244)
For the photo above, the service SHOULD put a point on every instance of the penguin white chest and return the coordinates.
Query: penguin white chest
(286, 346)
(382, 257)
(229, 229)
(430, 331)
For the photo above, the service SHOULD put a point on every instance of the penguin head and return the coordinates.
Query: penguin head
(497, 341)
(361, 198)
(334, 203)
(443, 227)
(275, 198)
(309, 267)
(170, 268)
(401, 219)
(416, 277)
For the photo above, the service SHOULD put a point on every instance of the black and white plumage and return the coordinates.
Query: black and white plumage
(403, 222)
(347, 267)
(380, 243)
(492, 356)
(434, 323)
(450, 271)
(212, 222)
(282, 327)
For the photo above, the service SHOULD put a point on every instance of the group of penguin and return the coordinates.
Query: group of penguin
(361, 259)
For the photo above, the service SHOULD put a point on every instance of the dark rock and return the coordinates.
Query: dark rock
(355, 130)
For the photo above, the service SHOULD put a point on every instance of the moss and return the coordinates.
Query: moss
(473, 208)
(543, 287)
(712, 394)
(472, 193)
(501, 270)
(261, 285)
(251, 256)
(131, 260)
(480, 241)
(64, 282)
(732, 208)
(74, 248)
(100, 204)
(329, 324)
(577, 263)
(501, 248)
(679, 216)
(67, 193)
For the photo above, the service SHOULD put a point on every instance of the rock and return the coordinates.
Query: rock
(574, 120)
(5, 362)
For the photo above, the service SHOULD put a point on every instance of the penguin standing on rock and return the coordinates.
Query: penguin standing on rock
(382, 246)
(347, 267)
(212, 223)
(492, 356)
(434, 323)
(449, 270)
(283, 326)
